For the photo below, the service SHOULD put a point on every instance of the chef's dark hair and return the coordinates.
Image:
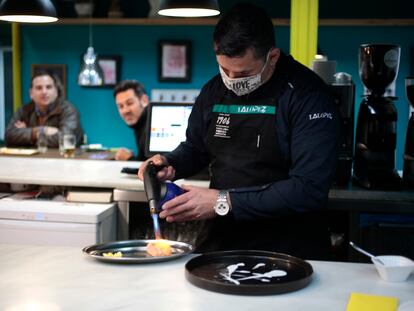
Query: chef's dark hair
(125, 85)
(53, 76)
(244, 26)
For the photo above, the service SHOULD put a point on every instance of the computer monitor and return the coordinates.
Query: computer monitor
(166, 126)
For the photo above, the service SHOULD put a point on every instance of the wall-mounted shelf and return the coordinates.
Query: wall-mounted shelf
(213, 21)
(139, 21)
(367, 22)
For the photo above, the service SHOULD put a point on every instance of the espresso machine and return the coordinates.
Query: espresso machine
(342, 89)
(408, 173)
(376, 132)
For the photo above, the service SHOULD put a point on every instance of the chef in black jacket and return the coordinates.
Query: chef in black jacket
(268, 130)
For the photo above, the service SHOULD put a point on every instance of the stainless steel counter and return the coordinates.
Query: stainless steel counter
(127, 188)
(68, 172)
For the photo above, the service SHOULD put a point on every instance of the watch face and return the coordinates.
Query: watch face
(221, 208)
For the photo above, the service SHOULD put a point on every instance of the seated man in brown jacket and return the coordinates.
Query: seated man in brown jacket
(47, 109)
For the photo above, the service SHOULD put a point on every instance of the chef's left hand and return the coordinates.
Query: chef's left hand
(195, 204)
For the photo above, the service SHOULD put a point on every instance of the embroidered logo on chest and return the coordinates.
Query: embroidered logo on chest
(320, 115)
(252, 109)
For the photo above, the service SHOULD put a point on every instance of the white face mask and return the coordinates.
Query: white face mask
(245, 85)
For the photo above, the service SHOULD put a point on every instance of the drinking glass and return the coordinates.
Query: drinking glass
(41, 140)
(69, 145)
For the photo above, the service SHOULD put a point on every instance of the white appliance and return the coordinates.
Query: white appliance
(40, 222)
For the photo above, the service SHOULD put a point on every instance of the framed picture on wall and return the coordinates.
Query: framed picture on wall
(111, 68)
(59, 70)
(174, 63)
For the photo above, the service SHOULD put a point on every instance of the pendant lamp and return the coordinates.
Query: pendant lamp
(28, 11)
(90, 73)
(189, 8)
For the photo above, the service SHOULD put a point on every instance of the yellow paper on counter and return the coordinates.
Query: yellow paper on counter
(18, 151)
(364, 302)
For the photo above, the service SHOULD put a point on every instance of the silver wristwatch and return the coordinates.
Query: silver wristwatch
(222, 206)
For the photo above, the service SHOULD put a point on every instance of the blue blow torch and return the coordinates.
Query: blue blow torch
(158, 192)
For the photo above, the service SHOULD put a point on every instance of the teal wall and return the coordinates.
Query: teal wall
(137, 45)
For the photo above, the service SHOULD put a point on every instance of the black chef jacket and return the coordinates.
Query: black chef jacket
(285, 215)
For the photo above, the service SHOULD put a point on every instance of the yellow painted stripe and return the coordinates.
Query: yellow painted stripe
(17, 72)
(313, 31)
(304, 30)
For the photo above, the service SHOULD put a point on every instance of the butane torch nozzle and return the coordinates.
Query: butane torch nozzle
(152, 207)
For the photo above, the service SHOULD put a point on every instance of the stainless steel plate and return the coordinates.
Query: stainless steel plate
(135, 251)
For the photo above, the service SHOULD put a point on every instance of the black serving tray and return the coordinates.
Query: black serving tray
(248, 272)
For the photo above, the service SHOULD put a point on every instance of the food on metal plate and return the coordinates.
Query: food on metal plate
(159, 248)
(117, 254)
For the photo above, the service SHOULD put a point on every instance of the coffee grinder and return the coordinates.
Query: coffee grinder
(376, 132)
(408, 173)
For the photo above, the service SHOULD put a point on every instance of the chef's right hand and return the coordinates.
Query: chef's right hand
(167, 173)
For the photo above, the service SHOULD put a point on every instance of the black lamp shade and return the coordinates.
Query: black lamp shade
(198, 5)
(27, 8)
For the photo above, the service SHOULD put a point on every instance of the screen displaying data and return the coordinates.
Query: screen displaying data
(168, 123)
